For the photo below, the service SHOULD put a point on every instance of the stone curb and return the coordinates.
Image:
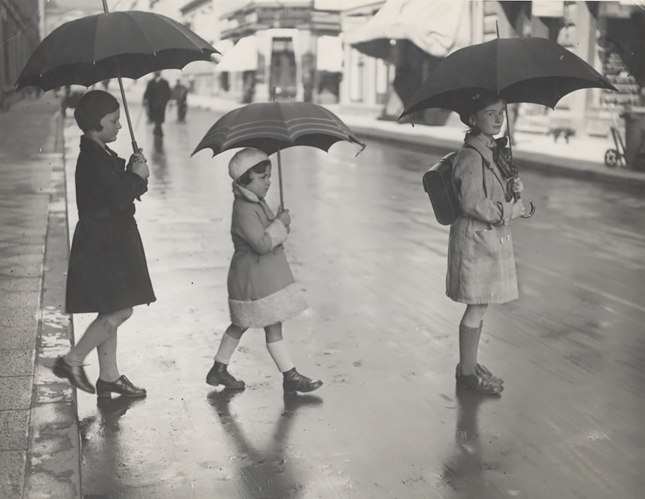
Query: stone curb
(54, 458)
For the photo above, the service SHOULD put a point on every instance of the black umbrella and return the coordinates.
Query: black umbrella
(533, 70)
(112, 45)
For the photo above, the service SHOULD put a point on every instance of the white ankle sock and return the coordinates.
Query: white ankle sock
(226, 348)
(280, 355)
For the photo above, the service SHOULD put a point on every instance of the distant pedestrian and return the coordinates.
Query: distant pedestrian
(155, 99)
(261, 288)
(107, 271)
(481, 263)
(180, 96)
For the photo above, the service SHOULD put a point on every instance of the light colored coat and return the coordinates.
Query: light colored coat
(261, 287)
(481, 263)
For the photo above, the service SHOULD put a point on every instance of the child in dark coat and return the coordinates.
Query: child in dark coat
(107, 272)
(261, 288)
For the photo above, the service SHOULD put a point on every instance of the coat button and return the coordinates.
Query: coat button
(501, 240)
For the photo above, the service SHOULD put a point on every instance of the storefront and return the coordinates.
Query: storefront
(291, 51)
(391, 46)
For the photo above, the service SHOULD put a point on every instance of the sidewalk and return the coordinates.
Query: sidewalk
(39, 446)
(39, 439)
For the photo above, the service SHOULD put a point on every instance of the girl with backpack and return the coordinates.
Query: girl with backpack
(481, 263)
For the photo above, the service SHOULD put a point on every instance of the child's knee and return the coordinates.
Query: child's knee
(236, 331)
(273, 332)
(115, 319)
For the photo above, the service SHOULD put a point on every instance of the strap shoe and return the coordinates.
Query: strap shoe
(75, 374)
(122, 386)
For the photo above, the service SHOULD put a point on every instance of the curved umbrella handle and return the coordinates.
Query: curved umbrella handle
(530, 213)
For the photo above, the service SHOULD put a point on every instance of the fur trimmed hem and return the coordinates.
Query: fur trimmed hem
(277, 232)
(278, 307)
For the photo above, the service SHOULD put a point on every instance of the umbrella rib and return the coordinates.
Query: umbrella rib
(185, 35)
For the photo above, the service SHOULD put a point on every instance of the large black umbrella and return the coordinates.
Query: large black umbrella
(112, 45)
(533, 70)
(273, 126)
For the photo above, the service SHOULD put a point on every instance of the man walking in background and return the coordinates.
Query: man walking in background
(155, 99)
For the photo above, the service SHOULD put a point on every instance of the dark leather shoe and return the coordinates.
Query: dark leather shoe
(121, 386)
(478, 382)
(219, 375)
(296, 382)
(75, 374)
(483, 372)
(486, 373)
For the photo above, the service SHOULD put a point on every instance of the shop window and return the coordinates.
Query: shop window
(382, 81)
(283, 68)
(356, 76)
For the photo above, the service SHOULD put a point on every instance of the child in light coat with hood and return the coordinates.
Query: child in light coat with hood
(262, 290)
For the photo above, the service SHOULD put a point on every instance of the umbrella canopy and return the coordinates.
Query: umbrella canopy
(273, 126)
(96, 48)
(533, 70)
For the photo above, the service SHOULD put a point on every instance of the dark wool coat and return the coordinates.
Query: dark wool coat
(156, 96)
(481, 263)
(261, 287)
(107, 264)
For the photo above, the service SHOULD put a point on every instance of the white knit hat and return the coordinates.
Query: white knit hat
(244, 160)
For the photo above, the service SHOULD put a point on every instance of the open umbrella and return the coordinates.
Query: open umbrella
(273, 126)
(533, 70)
(112, 45)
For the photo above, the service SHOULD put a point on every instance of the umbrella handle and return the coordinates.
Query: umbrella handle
(280, 181)
(530, 213)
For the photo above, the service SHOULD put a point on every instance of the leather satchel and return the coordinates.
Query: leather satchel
(439, 185)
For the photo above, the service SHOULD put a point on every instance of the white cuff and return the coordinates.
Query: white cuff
(277, 232)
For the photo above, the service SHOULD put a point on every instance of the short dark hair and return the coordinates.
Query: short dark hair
(92, 107)
(475, 103)
(261, 167)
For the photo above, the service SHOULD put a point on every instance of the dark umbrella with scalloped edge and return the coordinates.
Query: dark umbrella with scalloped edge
(273, 126)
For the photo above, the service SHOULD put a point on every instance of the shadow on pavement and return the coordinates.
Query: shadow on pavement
(465, 471)
(269, 471)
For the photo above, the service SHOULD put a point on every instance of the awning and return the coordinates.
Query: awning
(329, 54)
(242, 57)
(438, 28)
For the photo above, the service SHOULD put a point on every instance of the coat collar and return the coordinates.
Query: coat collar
(86, 142)
(485, 148)
(241, 191)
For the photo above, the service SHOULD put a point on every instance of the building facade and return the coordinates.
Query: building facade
(608, 35)
(286, 50)
(19, 32)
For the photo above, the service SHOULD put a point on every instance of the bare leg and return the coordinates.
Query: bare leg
(109, 370)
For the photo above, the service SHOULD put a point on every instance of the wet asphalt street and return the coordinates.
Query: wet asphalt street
(388, 422)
